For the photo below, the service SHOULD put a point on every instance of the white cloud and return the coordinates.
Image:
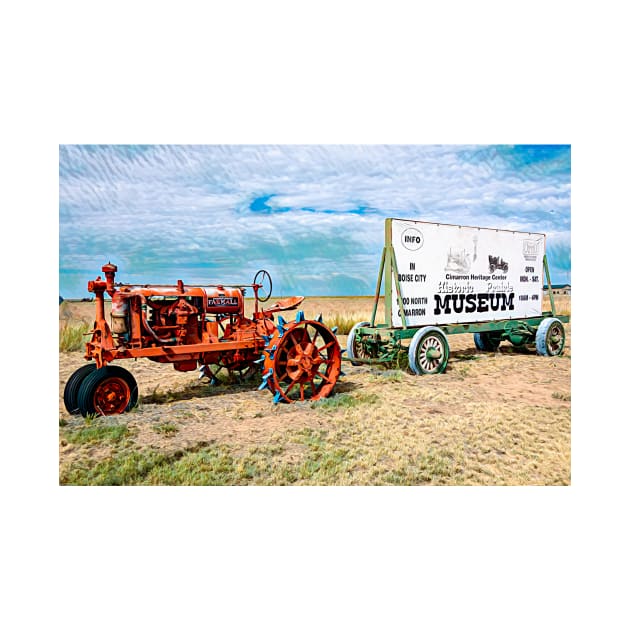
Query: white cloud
(191, 203)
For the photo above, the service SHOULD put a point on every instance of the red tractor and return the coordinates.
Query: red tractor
(202, 327)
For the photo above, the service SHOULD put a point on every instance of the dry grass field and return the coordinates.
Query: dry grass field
(500, 418)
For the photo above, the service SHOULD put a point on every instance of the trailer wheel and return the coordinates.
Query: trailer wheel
(428, 351)
(354, 350)
(108, 391)
(71, 390)
(486, 342)
(550, 337)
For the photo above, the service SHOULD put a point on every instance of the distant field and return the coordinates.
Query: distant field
(337, 311)
(499, 418)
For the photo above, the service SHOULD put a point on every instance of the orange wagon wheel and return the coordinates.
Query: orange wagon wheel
(107, 391)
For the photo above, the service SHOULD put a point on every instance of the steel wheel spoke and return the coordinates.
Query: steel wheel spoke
(324, 377)
(328, 345)
(286, 391)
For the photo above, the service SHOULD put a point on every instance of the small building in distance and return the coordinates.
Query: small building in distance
(559, 289)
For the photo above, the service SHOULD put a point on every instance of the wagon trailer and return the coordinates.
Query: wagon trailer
(442, 280)
(202, 328)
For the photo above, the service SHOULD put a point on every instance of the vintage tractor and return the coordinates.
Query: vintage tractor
(202, 327)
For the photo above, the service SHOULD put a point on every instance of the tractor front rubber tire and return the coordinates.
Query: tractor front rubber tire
(107, 391)
(71, 390)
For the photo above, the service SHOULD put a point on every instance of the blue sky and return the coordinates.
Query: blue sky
(312, 215)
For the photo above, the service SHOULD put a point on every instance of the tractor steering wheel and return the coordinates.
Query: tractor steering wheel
(263, 282)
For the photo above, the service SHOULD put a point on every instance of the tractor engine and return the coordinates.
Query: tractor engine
(154, 316)
(146, 317)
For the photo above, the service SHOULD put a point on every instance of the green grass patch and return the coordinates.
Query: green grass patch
(343, 400)
(109, 434)
(314, 462)
(166, 428)
(323, 463)
(465, 357)
(72, 337)
(436, 466)
(207, 466)
(388, 376)
(310, 457)
(119, 470)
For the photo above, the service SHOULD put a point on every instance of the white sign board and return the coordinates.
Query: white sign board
(450, 274)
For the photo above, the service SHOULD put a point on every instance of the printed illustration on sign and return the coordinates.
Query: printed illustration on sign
(459, 261)
(495, 262)
(531, 248)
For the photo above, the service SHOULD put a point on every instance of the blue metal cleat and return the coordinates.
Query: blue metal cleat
(265, 380)
(281, 325)
(342, 350)
(320, 319)
(300, 316)
(277, 397)
(334, 330)
(266, 338)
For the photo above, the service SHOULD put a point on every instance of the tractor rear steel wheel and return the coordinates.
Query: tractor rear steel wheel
(71, 390)
(355, 350)
(428, 351)
(240, 371)
(107, 391)
(550, 337)
(302, 362)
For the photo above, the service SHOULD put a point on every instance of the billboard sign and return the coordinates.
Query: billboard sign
(452, 274)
